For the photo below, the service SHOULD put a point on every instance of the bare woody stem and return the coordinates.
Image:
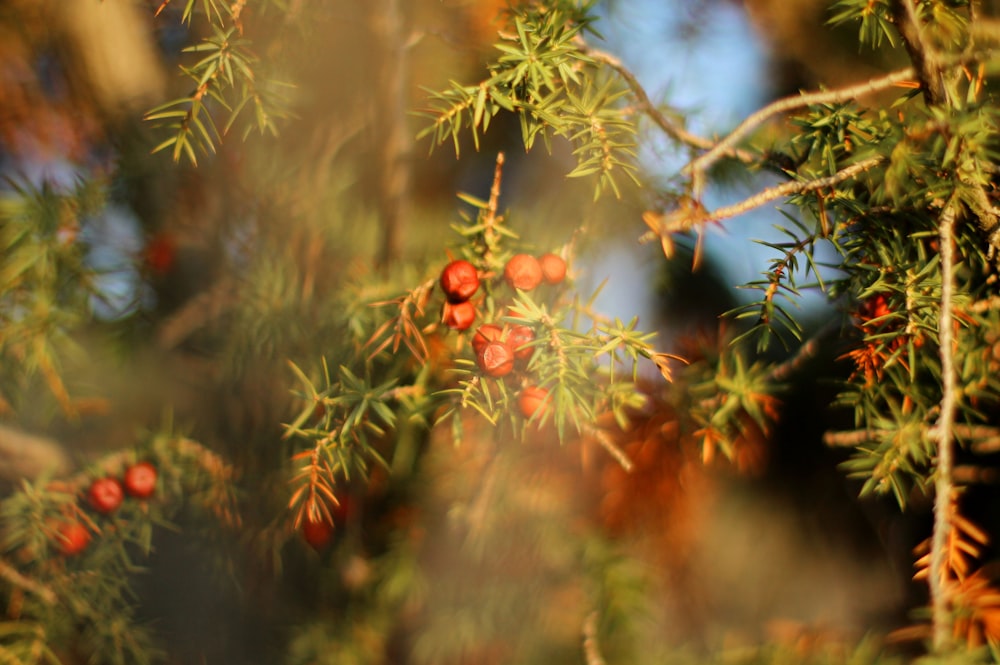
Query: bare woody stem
(646, 107)
(775, 193)
(794, 187)
(944, 483)
(591, 648)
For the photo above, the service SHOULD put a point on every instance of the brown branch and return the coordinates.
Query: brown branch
(395, 146)
(695, 216)
(490, 221)
(944, 482)
(591, 648)
(611, 447)
(983, 438)
(806, 352)
(646, 107)
(700, 165)
(923, 56)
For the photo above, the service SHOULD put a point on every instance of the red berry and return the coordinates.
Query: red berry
(458, 316)
(517, 338)
(533, 401)
(317, 534)
(875, 307)
(523, 272)
(105, 495)
(496, 360)
(72, 538)
(140, 480)
(553, 268)
(459, 281)
(486, 333)
(160, 252)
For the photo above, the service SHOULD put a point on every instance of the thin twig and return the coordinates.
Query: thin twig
(611, 447)
(698, 166)
(984, 438)
(762, 197)
(944, 483)
(591, 648)
(491, 219)
(646, 106)
(793, 187)
(807, 351)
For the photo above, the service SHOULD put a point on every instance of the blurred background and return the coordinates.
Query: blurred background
(209, 278)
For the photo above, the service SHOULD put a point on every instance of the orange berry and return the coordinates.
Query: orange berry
(459, 315)
(459, 281)
(523, 272)
(519, 336)
(317, 534)
(105, 495)
(486, 333)
(72, 538)
(140, 480)
(533, 401)
(496, 359)
(553, 268)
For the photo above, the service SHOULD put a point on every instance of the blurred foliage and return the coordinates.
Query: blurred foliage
(254, 290)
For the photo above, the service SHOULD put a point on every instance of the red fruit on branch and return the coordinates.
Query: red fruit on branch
(105, 495)
(458, 316)
(533, 401)
(523, 272)
(518, 336)
(72, 538)
(874, 307)
(553, 268)
(496, 359)
(160, 253)
(140, 480)
(317, 534)
(459, 281)
(486, 333)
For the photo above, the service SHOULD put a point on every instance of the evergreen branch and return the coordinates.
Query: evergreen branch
(985, 438)
(944, 483)
(789, 188)
(689, 216)
(697, 167)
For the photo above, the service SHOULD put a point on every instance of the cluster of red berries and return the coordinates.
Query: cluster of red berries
(460, 280)
(500, 349)
(105, 495)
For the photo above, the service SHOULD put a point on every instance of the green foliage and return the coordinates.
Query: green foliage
(545, 77)
(45, 284)
(227, 82)
(874, 18)
(83, 601)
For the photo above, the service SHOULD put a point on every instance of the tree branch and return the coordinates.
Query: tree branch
(646, 106)
(688, 217)
(591, 649)
(697, 167)
(944, 483)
